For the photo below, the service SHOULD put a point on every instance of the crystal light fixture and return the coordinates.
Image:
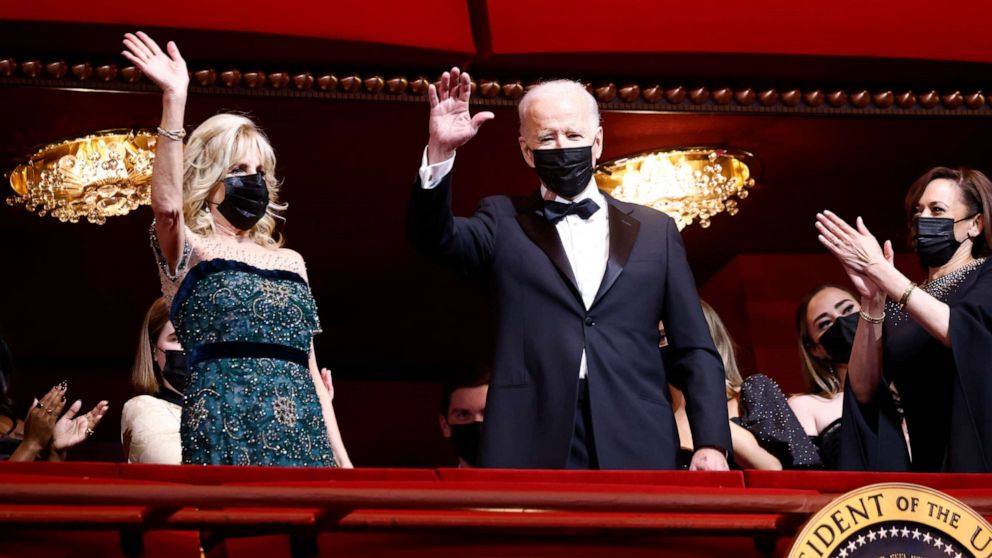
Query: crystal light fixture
(97, 176)
(687, 184)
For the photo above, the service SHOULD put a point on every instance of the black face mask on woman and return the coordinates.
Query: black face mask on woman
(564, 171)
(935, 242)
(839, 338)
(175, 371)
(245, 200)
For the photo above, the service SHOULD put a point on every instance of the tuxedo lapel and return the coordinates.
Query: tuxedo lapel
(545, 236)
(623, 234)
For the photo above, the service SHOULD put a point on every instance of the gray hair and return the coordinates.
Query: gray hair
(558, 87)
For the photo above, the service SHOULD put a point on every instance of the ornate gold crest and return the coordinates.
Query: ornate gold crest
(894, 520)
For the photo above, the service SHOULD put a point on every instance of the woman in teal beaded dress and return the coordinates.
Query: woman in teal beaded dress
(241, 303)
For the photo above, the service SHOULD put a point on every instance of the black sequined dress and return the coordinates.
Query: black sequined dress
(766, 414)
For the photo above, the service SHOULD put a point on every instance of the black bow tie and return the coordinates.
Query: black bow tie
(556, 211)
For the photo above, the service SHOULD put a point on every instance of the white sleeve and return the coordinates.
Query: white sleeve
(431, 175)
(150, 432)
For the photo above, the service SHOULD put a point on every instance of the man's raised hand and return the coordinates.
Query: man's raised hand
(451, 125)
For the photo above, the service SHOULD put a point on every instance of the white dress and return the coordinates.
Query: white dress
(150, 431)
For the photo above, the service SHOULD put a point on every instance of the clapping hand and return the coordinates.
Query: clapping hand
(856, 249)
(40, 424)
(166, 69)
(451, 125)
(70, 430)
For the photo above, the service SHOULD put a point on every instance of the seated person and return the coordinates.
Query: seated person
(825, 319)
(462, 411)
(150, 421)
(11, 426)
(764, 432)
(49, 433)
(46, 431)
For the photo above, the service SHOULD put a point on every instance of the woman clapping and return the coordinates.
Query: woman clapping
(933, 341)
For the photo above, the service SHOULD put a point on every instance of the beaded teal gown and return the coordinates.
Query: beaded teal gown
(246, 324)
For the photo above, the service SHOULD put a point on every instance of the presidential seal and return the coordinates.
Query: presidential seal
(894, 520)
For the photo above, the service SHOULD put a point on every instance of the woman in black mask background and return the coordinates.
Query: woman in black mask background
(937, 342)
(826, 320)
(150, 421)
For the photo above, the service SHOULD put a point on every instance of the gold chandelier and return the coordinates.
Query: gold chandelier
(687, 184)
(97, 176)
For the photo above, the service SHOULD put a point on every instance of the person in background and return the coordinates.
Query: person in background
(150, 421)
(826, 320)
(11, 426)
(50, 433)
(764, 432)
(462, 412)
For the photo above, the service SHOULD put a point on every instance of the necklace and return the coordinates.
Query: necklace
(940, 288)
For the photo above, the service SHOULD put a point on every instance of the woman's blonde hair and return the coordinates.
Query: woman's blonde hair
(143, 376)
(821, 379)
(212, 149)
(725, 346)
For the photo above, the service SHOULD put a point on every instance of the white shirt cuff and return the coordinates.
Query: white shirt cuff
(431, 175)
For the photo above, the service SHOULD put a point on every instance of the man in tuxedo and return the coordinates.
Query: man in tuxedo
(579, 282)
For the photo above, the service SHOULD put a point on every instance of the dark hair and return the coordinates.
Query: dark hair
(6, 368)
(6, 372)
(819, 373)
(976, 190)
(480, 377)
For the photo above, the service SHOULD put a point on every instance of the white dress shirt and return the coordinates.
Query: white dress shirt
(586, 241)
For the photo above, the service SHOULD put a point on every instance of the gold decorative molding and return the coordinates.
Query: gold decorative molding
(627, 95)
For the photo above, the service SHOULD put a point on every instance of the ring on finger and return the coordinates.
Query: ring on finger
(48, 411)
(41, 405)
(89, 432)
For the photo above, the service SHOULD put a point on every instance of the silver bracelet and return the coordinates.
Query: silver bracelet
(176, 135)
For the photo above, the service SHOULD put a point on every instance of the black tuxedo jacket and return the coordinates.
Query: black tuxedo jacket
(543, 327)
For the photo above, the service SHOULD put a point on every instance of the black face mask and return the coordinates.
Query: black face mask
(935, 242)
(565, 171)
(839, 338)
(175, 372)
(245, 200)
(466, 438)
